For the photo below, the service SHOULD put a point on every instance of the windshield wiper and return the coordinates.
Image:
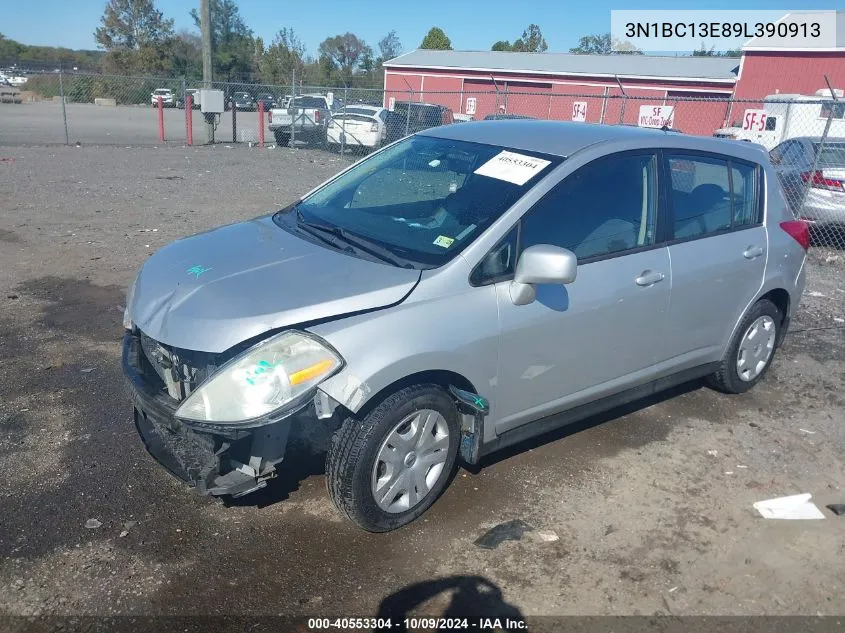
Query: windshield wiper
(321, 234)
(358, 242)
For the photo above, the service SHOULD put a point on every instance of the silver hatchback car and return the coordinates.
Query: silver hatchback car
(456, 292)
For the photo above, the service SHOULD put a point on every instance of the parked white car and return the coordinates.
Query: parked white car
(362, 126)
(168, 99)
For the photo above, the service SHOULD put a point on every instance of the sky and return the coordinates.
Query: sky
(471, 25)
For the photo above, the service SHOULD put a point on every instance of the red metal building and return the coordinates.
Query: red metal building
(548, 85)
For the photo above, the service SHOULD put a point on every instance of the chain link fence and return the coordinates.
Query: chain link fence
(804, 134)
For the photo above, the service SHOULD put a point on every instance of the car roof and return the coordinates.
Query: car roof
(341, 114)
(421, 103)
(816, 139)
(561, 138)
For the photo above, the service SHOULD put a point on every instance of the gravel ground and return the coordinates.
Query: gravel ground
(41, 123)
(643, 511)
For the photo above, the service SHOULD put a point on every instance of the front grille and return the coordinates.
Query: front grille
(180, 370)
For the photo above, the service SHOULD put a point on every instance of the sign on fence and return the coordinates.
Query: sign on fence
(656, 116)
(754, 120)
(579, 111)
(470, 106)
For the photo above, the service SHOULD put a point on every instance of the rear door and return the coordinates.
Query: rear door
(718, 248)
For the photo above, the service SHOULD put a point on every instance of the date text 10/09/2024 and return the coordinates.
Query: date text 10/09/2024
(722, 29)
(418, 624)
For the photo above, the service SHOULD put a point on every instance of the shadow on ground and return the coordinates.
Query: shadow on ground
(469, 597)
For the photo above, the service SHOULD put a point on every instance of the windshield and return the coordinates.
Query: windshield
(309, 102)
(365, 118)
(424, 199)
(359, 110)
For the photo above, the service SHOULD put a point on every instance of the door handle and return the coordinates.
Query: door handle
(649, 278)
(752, 252)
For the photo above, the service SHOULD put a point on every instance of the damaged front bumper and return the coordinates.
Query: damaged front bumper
(231, 462)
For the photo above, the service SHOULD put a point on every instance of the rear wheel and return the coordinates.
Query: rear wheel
(751, 350)
(282, 138)
(384, 471)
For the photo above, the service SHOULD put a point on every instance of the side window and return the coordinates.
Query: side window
(607, 206)
(832, 109)
(746, 210)
(498, 263)
(700, 195)
(776, 155)
(771, 123)
(790, 152)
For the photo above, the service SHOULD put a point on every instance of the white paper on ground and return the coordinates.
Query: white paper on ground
(793, 507)
(512, 167)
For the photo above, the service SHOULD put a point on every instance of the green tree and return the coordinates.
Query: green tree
(603, 44)
(532, 41)
(436, 39)
(389, 47)
(185, 52)
(231, 40)
(703, 52)
(345, 53)
(10, 49)
(131, 25)
(285, 55)
(14, 52)
(134, 33)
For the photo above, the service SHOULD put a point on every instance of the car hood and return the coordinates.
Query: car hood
(214, 290)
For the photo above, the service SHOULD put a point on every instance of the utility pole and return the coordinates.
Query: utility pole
(205, 26)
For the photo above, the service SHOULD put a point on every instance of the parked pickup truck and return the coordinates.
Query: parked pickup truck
(306, 116)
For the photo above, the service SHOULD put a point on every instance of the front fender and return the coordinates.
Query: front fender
(458, 333)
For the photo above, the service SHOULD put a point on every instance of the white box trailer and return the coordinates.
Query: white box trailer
(786, 116)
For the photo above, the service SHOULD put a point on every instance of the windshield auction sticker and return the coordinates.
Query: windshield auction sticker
(512, 167)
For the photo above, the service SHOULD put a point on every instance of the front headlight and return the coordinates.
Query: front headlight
(272, 374)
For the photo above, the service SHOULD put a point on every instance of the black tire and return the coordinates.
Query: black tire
(282, 138)
(354, 449)
(727, 379)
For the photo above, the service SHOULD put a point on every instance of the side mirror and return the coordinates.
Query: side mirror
(541, 264)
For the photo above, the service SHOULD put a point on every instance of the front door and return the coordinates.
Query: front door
(603, 332)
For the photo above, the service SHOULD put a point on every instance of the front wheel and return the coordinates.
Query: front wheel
(751, 349)
(282, 138)
(384, 471)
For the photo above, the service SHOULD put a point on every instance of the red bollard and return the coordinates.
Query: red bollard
(261, 123)
(160, 120)
(189, 119)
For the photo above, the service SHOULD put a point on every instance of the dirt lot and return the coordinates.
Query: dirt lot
(652, 505)
(41, 123)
